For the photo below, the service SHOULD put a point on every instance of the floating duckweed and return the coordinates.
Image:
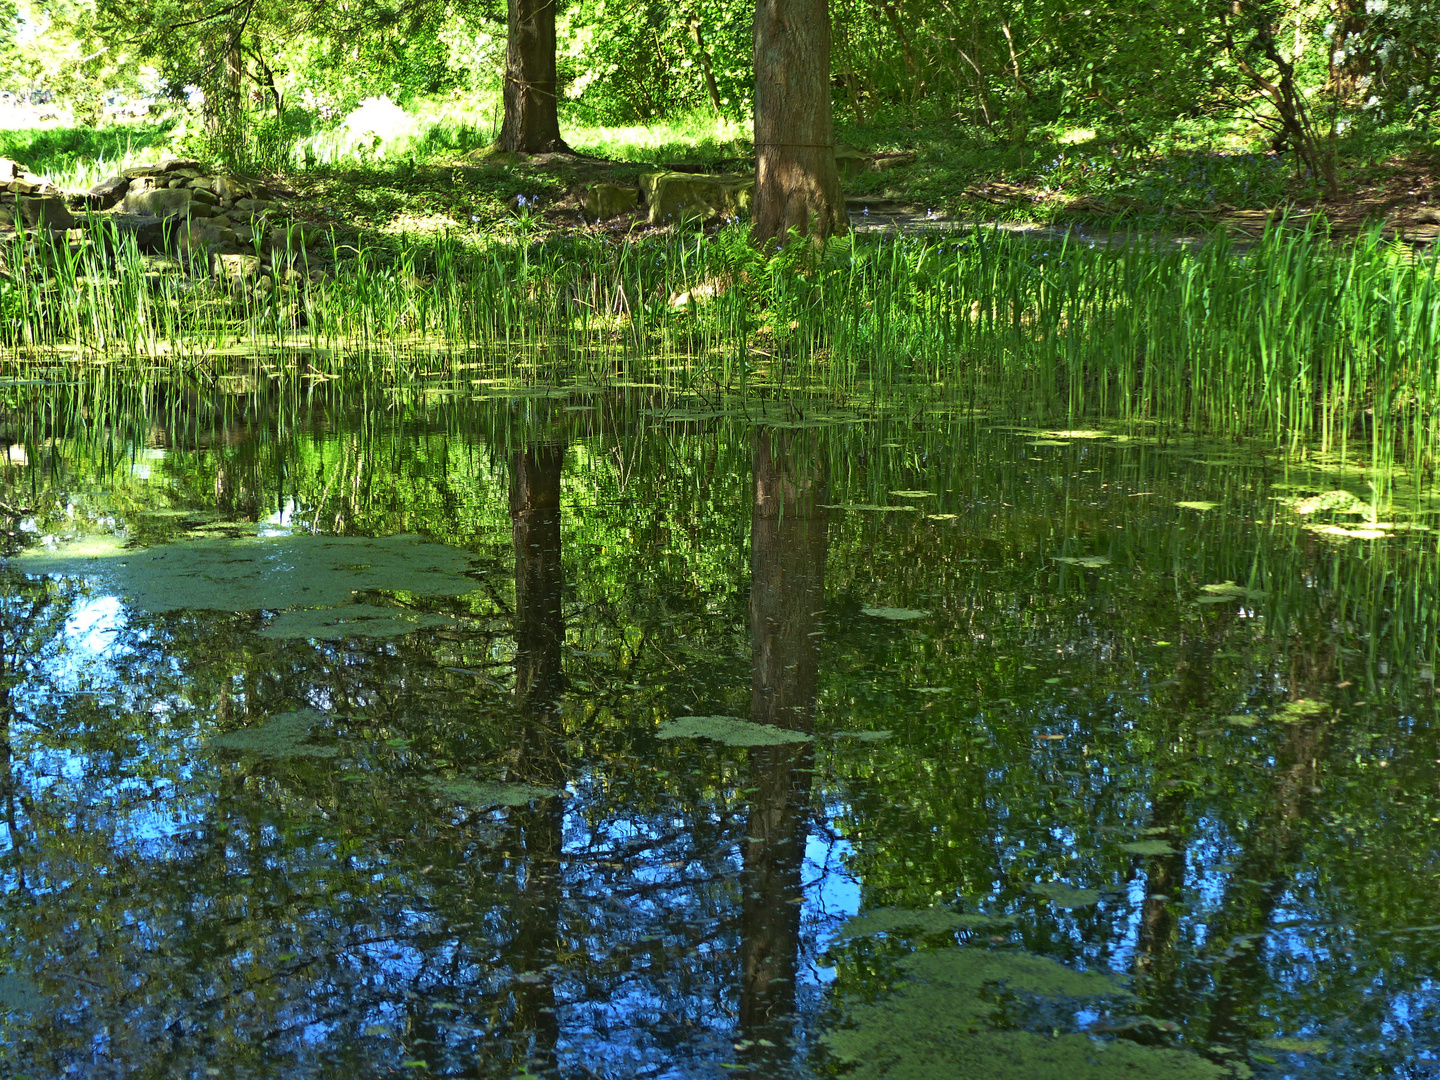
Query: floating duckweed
(731, 732)
(936, 1025)
(285, 735)
(258, 572)
(1198, 505)
(941, 517)
(866, 506)
(19, 994)
(1093, 562)
(1227, 591)
(1148, 847)
(350, 620)
(479, 794)
(915, 494)
(916, 922)
(1296, 711)
(1298, 1046)
(895, 614)
(1066, 896)
(1334, 502)
(1086, 433)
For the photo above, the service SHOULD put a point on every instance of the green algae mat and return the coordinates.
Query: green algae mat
(539, 734)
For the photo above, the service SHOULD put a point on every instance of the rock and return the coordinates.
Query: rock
(238, 270)
(195, 237)
(294, 237)
(232, 187)
(203, 196)
(673, 196)
(851, 162)
(1427, 215)
(181, 167)
(607, 200)
(882, 162)
(160, 202)
(204, 183)
(140, 172)
(42, 212)
(200, 210)
(107, 192)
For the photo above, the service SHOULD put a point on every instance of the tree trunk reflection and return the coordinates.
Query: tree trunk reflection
(537, 759)
(787, 595)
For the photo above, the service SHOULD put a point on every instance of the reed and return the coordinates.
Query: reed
(1296, 338)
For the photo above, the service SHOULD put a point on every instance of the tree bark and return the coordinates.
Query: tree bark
(531, 124)
(797, 185)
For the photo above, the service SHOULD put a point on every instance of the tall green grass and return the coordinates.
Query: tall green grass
(1294, 338)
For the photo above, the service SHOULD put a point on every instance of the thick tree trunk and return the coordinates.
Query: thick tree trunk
(531, 123)
(796, 184)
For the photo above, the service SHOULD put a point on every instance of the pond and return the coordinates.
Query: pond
(502, 731)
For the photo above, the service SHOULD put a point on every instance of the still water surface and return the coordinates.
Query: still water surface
(348, 737)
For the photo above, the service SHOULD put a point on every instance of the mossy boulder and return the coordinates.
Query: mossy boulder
(609, 200)
(158, 202)
(698, 197)
(851, 162)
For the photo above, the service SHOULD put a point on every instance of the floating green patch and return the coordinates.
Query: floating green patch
(480, 794)
(915, 494)
(1298, 1046)
(865, 736)
(866, 506)
(941, 517)
(20, 994)
(284, 736)
(1093, 562)
(350, 620)
(1196, 505)
(1086, 433)
(935, 1026)
(1333, 502)
(916, 922)
(895, 614)
(257, 572)
(1063, 895)
(1296, 711)
(1223, 591)
(1148, 847)
(731, 732)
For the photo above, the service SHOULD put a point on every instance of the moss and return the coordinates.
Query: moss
(258, 572)
(731, 732)
(479, 794)
(350, 620)
(935, 920)
(935, 1026)
(1297, 711)
(283, 736)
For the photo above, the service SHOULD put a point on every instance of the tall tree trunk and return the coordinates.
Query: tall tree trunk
(531, 123)
(797, 185)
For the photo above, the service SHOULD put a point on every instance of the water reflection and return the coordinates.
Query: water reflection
(1086, 743)
(788, 546)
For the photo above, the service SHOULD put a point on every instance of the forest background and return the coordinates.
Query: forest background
(1129, 109)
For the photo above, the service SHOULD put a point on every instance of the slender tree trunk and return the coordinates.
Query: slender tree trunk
(797, 185)
(707, 65)
(531, 123)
